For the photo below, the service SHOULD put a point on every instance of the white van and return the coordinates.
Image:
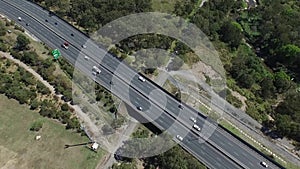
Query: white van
(141, 78)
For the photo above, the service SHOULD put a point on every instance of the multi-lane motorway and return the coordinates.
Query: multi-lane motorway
(220, 150)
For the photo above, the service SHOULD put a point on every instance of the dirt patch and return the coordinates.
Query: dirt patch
(243, 99)
(7, 158)
(201, 70)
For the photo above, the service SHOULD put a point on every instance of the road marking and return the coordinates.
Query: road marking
(250, 163)
(218, 164)
(229, 144)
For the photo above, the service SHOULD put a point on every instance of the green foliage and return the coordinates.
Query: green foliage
(231, 34)
(92, 14)
(36, 125)
(64, 107)
(175, 158)
(246, 68)
(184, 8)
(17, 27)
(282, 81)
(277, 23)
(41, 88)
(141, 133)
(288, 116)
(124, 165)
(66, 66)
(73, 123)
(34, 104)
(267, 87)
(22, 42)
(2, 29)
(30, 58)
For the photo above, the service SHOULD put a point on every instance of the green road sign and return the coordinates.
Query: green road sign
(56, 54)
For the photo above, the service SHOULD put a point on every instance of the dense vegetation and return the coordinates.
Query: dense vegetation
(175, 158)
(272, 30)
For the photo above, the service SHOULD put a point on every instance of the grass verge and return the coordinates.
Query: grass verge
(24, 151)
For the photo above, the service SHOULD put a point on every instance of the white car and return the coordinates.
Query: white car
(139, 108)
(196, 127)
(84, 46)
(86, 57)
(96, 69)
(141, 78)
(193, 119)
(179, 137)
(19, 18)
(264, 164)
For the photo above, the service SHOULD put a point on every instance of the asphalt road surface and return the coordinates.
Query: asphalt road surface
(219, 150)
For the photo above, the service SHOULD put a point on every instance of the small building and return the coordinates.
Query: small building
(95, 146)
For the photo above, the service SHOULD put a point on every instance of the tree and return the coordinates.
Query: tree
(36, 126)
(73, 123)
(64, 107)
(22, 42)
(288, 116)
(34, 104)
(282, 81)
(42, 88)
(267, 87)
(231, 34)
(246, 80)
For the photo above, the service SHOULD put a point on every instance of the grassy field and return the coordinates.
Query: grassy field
(19, 149)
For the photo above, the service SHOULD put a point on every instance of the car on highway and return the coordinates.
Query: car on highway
(196, 127)
(96, 69)
(193, 119)
(139, 108)
(264, 164)
(86, 57)
(27, 24)
(83, 46)
(65, 45)
(19, 18)
(179, 137)
(94, 73)
(180, 106)
(141, 78)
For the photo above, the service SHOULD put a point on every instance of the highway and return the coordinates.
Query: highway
(221, 150)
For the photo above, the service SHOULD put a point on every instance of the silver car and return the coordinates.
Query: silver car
(179, 137)
(193, 119)
(196, 127)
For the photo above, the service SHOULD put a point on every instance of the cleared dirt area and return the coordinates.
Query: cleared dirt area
(19, 149)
